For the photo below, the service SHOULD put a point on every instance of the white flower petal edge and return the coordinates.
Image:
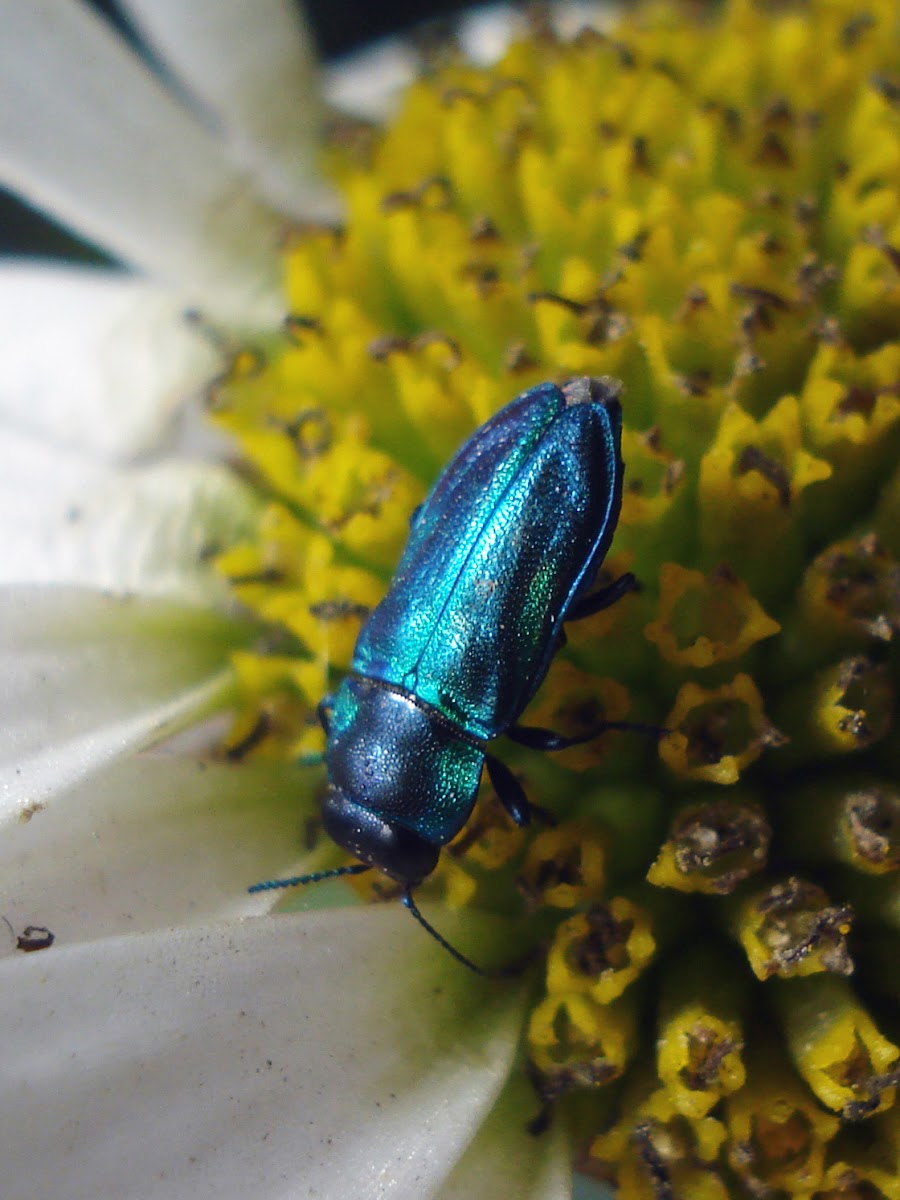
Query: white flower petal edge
(90, 135)
(327, 1054)
(153, 841)
(505, 1161)
(87, 678)
(96, 361)
(253, 67)
(484, 33)
(147, 531)
(366, 83)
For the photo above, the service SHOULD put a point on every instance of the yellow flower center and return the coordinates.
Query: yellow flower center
(708, 211)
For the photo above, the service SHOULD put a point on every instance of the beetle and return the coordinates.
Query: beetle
(503, 551)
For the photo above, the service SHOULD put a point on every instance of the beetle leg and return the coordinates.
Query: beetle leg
(542, 1119)
(536, 738)
(323, 712)
(512, 796)
(509, 791)
(586, 606)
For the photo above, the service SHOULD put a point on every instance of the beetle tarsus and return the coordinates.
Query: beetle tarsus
(541, 1121)
(323, 712)
(536, 738)
(595, 602)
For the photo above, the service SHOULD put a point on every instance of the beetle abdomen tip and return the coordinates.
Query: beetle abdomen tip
(597, 389)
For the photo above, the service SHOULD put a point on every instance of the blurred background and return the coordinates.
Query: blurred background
(339, 26)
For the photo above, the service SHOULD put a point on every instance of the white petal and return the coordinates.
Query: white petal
(506, 1160)
(85, 679)
(150, 842)
(484, 33)
(332, 1055)
(368, 82)
(96, 361)
(146, 531)
(88, 133)
(253, 67)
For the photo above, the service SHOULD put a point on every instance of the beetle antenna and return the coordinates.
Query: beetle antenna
(270, 885)
(409, 903)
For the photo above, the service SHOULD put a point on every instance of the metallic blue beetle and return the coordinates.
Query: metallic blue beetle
(503, 551)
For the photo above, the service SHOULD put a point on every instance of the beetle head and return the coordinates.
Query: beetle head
(391, 848)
